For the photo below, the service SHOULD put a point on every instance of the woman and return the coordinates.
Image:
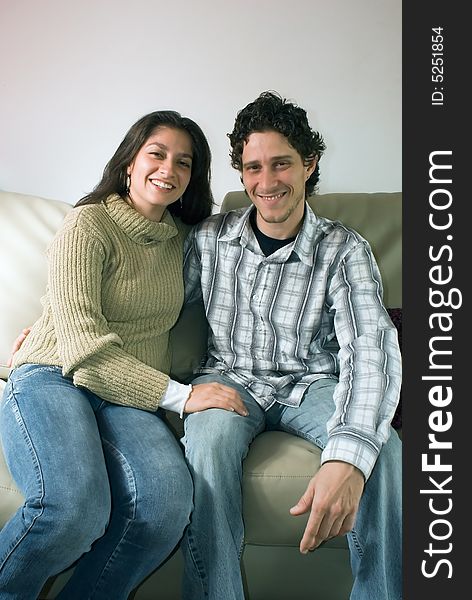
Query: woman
(104, 479)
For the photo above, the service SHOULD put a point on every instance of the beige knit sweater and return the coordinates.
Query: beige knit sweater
(115, 288)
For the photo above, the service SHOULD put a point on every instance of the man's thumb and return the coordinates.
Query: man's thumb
(302, 506)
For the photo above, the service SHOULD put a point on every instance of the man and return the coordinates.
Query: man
(299, 333)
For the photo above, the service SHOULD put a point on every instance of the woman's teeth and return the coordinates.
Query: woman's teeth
(161, 184)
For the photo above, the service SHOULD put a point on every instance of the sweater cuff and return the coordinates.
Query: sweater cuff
(175, 397)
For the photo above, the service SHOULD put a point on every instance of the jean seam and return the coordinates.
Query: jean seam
(129, 473)
(197, 563)
(13, 404)
(356, 542)
(306, 436)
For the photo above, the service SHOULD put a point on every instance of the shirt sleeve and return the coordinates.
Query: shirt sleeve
(192, 268)
(370, 372)
(90, 352)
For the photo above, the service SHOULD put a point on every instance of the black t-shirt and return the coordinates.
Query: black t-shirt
(267, 244)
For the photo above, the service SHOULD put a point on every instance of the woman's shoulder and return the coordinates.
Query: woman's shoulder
(87, 217)
(88, 222)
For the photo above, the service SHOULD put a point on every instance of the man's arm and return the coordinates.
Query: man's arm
(368, 388)
(365, 397)
(192, 269)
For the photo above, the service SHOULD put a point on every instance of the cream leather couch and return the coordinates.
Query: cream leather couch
(278, 466)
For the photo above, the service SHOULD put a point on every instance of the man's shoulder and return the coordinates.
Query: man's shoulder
(335, 229)
(220, 223)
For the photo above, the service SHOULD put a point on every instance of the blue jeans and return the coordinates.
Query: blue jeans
(103, 484)
(216, 443)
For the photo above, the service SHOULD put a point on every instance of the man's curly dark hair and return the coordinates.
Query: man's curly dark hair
(271, 112)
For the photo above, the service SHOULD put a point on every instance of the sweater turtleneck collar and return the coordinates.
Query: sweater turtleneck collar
(137, 227)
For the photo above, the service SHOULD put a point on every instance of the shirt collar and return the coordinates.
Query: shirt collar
(241, 229)
(303, 245)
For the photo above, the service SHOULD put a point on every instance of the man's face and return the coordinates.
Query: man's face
(274, 176)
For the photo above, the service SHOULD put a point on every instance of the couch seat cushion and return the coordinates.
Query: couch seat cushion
(276, 473)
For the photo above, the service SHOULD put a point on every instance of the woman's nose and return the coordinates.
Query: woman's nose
(166, 168)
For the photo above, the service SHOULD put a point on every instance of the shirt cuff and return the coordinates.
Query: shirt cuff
(175, 397)
(350, 449)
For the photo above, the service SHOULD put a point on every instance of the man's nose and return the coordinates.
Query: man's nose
(267, 180)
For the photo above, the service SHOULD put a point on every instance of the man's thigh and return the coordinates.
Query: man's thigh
(309, 419)
(222, 428)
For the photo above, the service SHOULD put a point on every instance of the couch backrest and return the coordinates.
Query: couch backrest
(27, 225)
(376, 216)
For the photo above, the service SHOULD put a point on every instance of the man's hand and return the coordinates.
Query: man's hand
(17, 344)
(332, 497)
(214, 395)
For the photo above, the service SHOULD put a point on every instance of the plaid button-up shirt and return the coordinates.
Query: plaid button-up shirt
(310, 310)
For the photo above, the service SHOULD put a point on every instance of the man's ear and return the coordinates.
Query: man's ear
(310, 167)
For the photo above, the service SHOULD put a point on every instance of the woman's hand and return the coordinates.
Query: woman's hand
(17, 344)
(214, 395)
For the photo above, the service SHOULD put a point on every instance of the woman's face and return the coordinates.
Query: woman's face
(160, 172)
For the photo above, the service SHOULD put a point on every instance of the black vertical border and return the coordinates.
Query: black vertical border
(427, 128)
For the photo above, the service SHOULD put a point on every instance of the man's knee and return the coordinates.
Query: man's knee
(215, 436)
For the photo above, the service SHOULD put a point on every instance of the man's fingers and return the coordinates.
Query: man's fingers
(319, 530)
(303, 505)
(312, 536)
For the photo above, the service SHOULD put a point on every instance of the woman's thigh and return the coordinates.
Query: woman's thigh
(50, 436)
(145, 462)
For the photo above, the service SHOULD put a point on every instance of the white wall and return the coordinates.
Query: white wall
(75, 75)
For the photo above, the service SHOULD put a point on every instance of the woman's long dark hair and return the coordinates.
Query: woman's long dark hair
(197, 200)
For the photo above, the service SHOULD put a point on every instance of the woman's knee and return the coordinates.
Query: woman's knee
(163, 510)
(80, 506)
(66, 525)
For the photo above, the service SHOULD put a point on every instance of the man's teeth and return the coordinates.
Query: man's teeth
(161, 184)
(276, 197)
